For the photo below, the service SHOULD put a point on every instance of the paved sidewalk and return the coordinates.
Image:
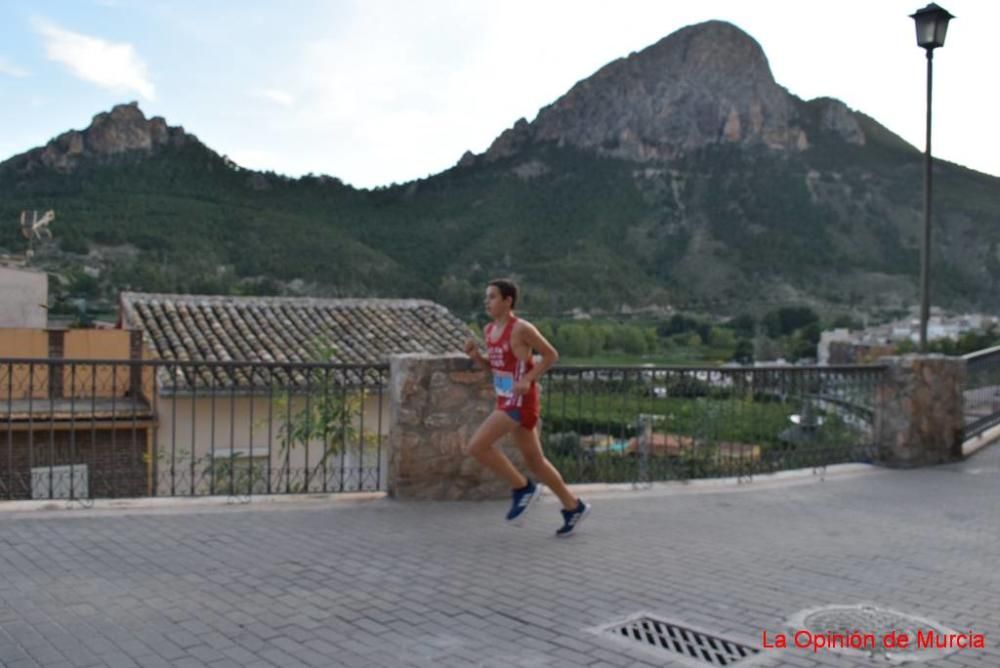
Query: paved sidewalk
(383, 583)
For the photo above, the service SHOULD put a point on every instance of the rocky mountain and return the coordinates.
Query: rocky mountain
(682, 175)
(703, 85)
(124, 131)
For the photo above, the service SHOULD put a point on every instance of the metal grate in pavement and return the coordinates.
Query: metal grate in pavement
(679, 640)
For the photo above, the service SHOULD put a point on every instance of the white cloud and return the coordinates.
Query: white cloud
(11, 69)
(254, 158)
(392, 93)
(111, 65)
(280, 97)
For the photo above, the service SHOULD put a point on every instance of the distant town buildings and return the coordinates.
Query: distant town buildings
(843, 346)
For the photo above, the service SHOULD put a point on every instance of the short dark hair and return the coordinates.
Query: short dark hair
(507, 288)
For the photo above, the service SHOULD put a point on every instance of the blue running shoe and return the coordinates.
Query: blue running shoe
(521, 500)
(572, 518)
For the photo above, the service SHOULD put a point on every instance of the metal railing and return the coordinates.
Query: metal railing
(628, 424)
(982, 391)
(81, 429)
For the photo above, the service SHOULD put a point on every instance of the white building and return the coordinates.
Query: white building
(23, 298)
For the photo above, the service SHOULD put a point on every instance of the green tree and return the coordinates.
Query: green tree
(573, 340)
(628, 338)
(744, 325)
(810, 333)
(743, 354)
(73, 243)
(318, 407)
(784, 321)
(721, 337)
(84, 285)
(803, 343)
(678, 324)
(976, 340)
(633, 341)
(546, 329)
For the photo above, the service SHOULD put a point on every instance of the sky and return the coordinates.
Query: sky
(376, 92)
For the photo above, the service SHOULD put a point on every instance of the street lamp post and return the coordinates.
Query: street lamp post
(932, 25)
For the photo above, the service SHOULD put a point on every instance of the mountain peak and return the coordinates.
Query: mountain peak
(123, 130)
(712, 47)
(707, 83)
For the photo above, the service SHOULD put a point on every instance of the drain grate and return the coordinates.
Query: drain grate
(680, 640)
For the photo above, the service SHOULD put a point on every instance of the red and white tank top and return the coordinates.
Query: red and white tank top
(508, 369)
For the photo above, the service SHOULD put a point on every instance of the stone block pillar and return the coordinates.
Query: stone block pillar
(919, 410)
(436, 402)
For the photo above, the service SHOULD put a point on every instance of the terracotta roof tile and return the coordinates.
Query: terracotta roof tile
(285, 329)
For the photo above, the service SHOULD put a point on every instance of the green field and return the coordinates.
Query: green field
(586, 429)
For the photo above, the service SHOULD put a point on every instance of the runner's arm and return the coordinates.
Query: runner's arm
(530, 335)
(472, 350)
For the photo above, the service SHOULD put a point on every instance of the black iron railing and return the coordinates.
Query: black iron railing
(627, 424)
(982, 391)
(81, 429)
(119, 428)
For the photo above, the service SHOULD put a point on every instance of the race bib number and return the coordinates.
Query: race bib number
(503, 384)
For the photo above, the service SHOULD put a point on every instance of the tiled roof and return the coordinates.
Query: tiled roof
(289, 329)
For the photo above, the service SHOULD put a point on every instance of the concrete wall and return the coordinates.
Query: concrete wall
(73, 380)
(21, 381)
(24, 295)
(96, 344)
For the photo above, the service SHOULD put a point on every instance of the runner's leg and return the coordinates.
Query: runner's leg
(482, 447)
(531, 449)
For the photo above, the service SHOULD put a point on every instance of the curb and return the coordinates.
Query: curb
(745, 483)
(976, 444)
(178, 502)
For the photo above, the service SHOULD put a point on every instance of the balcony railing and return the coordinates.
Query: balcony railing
(982, 391)
(80, 429)
(627, 424)
(120, 428)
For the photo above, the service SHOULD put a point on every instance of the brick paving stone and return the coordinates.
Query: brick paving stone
(450, 584)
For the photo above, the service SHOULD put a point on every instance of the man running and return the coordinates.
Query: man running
(509, 344)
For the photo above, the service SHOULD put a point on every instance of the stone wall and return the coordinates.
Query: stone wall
(436, 403)
(919, 410)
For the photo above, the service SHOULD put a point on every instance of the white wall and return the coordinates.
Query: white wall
(242, 423)
(825, 339)
(24, 295)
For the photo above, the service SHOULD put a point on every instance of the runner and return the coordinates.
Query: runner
(510, 342)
